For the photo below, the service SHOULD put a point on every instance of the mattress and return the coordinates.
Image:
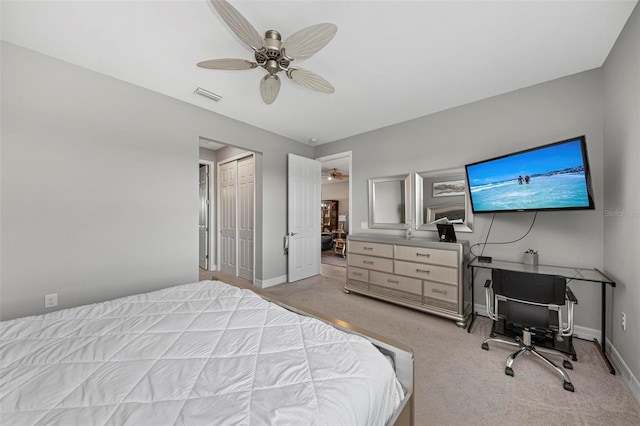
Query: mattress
(201, 353)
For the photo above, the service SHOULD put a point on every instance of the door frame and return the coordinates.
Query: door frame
(349, 155)
(217, 236)
(211, 242)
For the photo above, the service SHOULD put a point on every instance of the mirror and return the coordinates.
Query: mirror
(441, 194)
(390, 202)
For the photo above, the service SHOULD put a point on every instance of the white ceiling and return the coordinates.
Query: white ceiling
(390, 61)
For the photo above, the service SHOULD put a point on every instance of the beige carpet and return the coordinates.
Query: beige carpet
(457, 382)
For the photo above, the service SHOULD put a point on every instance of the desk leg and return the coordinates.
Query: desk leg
(602, 347)
(473, 314)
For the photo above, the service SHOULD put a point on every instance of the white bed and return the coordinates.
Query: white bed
(202, 353)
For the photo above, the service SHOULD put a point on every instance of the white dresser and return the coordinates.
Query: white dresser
(427, 275)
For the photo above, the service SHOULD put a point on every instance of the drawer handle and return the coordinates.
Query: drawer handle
(358, 274)
(434, 290)
(423, 254)
(393, 281)
(367, 262)
(423, 271)
(368, 248)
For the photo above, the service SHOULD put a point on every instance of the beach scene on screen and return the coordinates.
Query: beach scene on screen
(547, 178)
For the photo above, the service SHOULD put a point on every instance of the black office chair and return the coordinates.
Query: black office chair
(528, 306)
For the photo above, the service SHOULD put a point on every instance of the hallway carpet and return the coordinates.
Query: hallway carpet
(330, 257)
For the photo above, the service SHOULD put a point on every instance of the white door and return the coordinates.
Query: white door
(227, 203)
(303, 224)
(246, 178)
(203, 227)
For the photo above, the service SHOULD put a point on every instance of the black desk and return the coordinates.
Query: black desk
(570, 273)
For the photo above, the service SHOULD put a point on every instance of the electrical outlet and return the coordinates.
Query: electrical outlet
(51, 300)
(624, 321)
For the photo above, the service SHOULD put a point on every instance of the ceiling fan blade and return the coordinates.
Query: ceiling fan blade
(238, 24)
(306, 42)
(310, 80)
(269, 88)
(227, 64)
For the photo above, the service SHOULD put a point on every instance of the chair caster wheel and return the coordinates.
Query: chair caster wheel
(485, 346)
(568, 386)
(566, 364)
(509, 372)
(347, 291)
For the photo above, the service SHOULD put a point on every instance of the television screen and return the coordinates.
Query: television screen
(550, 177)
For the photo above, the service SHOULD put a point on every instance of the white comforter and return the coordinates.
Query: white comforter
(202, 353)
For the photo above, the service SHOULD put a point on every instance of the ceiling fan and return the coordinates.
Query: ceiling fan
(335, 174)
(273, 54)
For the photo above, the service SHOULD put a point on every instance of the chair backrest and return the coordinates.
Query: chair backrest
(529, 287)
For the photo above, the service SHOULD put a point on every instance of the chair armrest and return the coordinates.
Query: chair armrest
(491, 309)
(571, 296)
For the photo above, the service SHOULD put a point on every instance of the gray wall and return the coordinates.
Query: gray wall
(499, 125)
(207, 154)
(622, 199)
(99, 185)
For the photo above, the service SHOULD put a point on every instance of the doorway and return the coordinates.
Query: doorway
(241, 251)
(335, 211)
(204, 217)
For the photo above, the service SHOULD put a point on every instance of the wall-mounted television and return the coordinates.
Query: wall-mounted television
(549, 177)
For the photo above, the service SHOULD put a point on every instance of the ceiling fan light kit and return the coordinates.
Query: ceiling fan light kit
(269, 88)
(273, 55)
(335, 174)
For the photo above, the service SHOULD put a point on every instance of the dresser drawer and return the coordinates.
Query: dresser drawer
(370, 262)
(440, 291)
(409, 285)
(358, 274)
(427, 272)
(372, 249)
(427, 255)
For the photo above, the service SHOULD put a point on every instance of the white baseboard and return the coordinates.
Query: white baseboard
(586, 333)
(628, 378)
(271, 282)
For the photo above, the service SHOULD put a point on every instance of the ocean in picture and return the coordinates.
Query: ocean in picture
(549, 191)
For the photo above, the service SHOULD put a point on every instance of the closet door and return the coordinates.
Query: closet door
(228, 189)
(245, 205)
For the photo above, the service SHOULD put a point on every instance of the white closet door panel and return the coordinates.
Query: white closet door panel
(228, 191)
(246, 185)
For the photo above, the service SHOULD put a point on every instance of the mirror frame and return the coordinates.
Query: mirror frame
(446, 175)
(408, 197)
